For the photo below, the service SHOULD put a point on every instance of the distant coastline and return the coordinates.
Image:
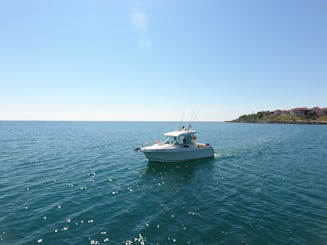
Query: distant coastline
(300, 115)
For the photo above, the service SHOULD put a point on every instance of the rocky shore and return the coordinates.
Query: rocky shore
(300, 115)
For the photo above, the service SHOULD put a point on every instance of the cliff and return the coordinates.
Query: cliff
(301, 115)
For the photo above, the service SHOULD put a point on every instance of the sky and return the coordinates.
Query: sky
(153, 60)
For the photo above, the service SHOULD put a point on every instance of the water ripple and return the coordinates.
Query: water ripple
(81, 183)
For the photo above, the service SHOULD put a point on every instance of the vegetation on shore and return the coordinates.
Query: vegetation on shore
(301, 115)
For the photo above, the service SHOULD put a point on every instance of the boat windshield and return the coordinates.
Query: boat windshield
(168, 140)
(182, 139)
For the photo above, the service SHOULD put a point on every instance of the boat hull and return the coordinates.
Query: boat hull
(179, 155)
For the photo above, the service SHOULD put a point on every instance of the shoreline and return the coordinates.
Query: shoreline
(300, 115)
(300, 123)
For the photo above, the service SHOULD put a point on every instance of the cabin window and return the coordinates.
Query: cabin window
(168, 140)
(180, 140)
(188, 139)
(184, 139)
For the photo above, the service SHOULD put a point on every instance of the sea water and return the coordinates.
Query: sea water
(82, 183)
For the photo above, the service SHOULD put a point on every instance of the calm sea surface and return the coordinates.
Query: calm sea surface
(82, 183)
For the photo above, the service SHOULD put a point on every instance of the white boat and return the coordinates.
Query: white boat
(177, 146)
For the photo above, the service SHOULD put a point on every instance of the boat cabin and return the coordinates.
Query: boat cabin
(181, 137)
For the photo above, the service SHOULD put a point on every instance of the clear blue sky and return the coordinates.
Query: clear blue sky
(154, 60)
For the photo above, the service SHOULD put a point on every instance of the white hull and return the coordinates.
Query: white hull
(178, 155)
(177, 146)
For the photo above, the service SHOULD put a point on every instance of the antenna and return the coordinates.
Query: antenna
(181, 122)
(192, 115)
(196, 114)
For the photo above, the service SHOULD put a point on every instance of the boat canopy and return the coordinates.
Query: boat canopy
(180, 132)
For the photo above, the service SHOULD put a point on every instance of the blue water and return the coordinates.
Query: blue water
(82, 183)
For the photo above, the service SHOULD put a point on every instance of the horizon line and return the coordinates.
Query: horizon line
(27, 120)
